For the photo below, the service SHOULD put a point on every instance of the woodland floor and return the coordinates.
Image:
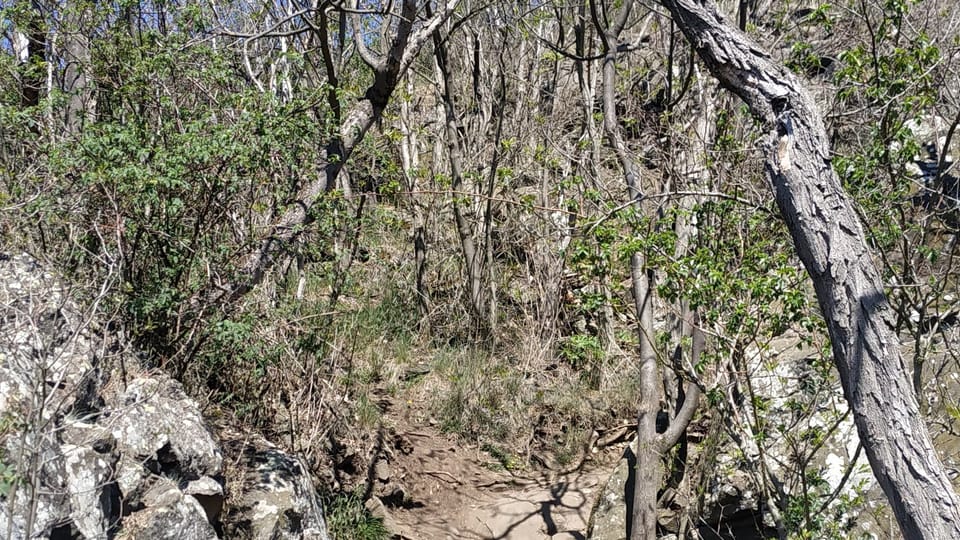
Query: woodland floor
(453, 494)
(455, 491)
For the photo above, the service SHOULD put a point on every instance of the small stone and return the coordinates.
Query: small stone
(382, 470)
(378, 510)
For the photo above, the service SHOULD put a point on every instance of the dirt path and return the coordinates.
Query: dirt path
(451, 494)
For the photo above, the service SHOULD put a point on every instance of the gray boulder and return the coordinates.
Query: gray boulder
(168, 514)
(90, 451)
(93, 497)
(277, 500)
(154, 419)
(608, 519)
(49, 368)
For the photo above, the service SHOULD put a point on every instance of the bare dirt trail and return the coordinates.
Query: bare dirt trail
(451, 494)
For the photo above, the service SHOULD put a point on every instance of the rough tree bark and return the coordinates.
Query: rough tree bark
(830, 242)
(76, 83)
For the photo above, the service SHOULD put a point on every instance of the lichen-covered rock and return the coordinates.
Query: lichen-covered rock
(93, 496)
(209, 493)
(38, 509)
(44, 338)
(169, 514)
(277, 499)
(608, 519)
(49, 370)
(88, 452)
(153, 419)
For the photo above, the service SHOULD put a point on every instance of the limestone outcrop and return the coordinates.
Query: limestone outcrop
(94, 446)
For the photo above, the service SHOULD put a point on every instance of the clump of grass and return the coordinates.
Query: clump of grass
(481, 396)
(506, 460)
(348, 519)
(366, 412)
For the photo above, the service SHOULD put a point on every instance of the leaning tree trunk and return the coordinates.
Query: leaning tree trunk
(830, 241)
(405, 45)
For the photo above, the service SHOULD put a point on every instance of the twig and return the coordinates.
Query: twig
(440, 474)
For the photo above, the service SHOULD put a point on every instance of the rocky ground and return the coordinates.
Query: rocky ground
(92, 445)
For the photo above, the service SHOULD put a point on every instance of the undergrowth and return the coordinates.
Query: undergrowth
(348, 519)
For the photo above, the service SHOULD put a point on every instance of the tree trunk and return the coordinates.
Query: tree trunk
(830, 241)
(410, 160)
(80, 109)
(359, 118)
(651, 446)
(30, 46)
(649, 473)
(472, 263)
